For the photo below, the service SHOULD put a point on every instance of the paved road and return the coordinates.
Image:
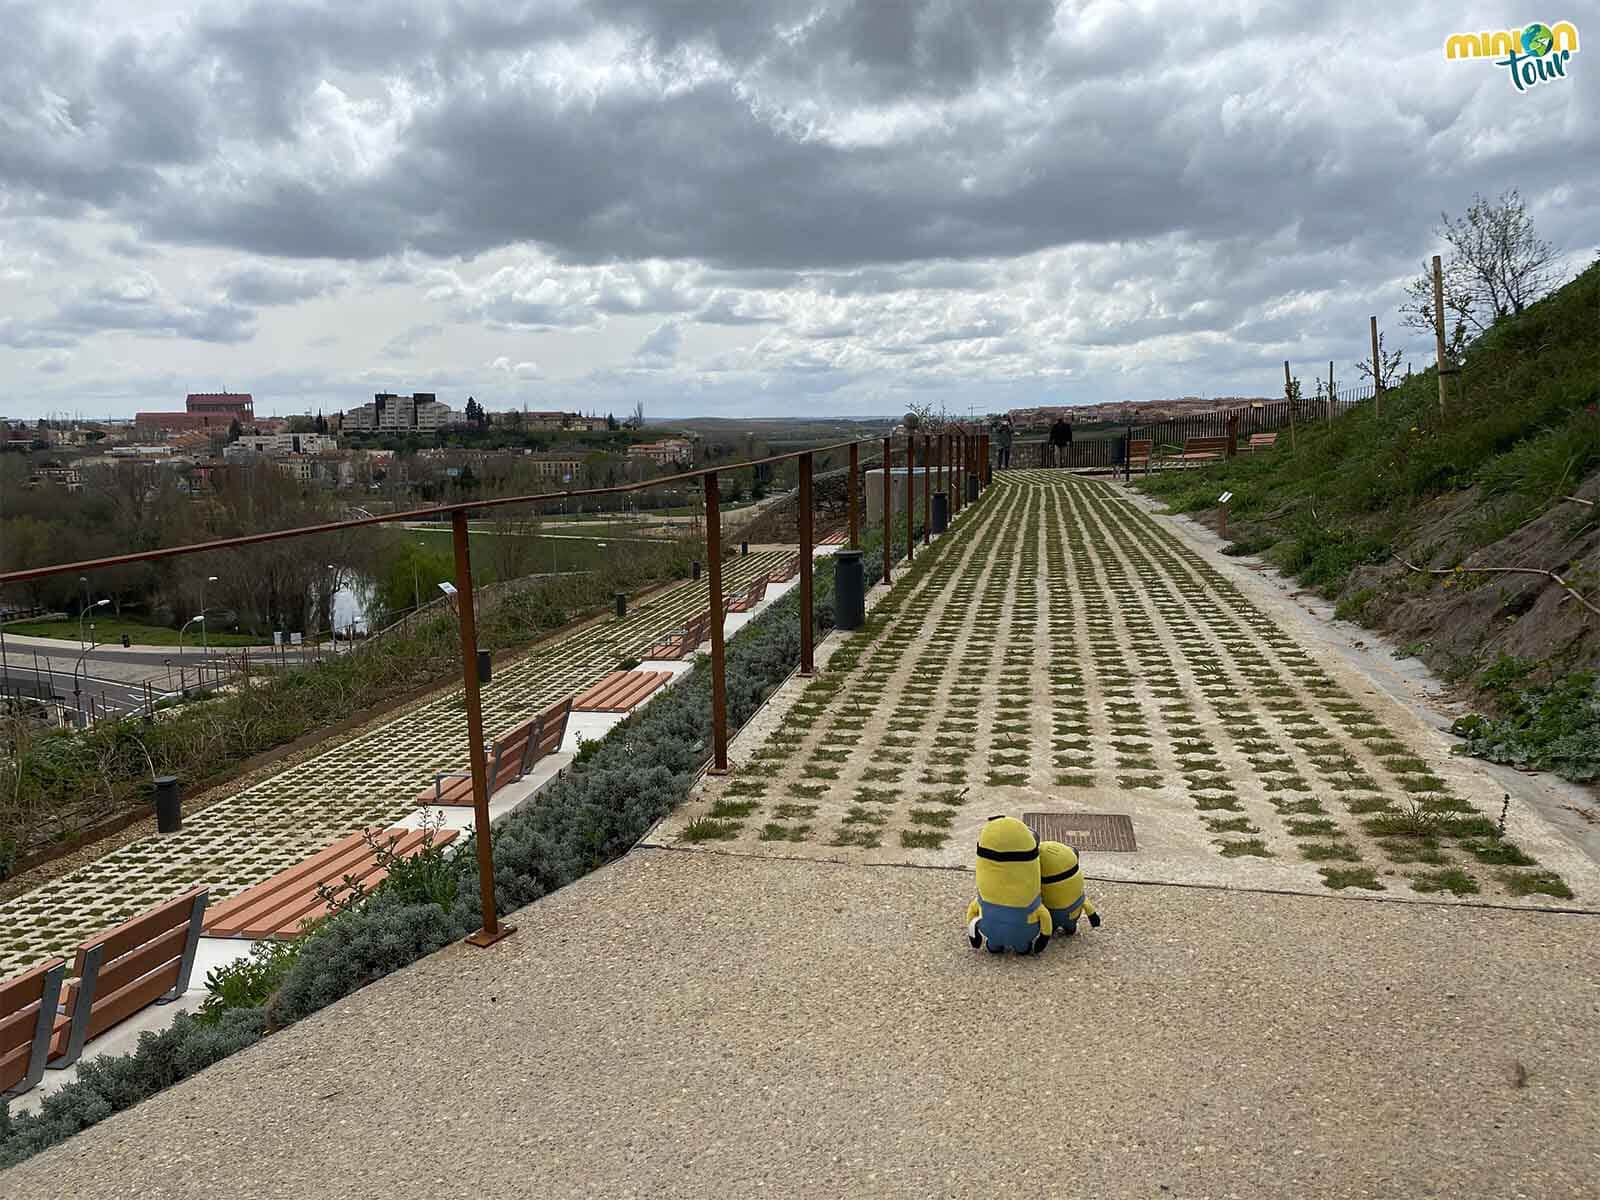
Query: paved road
(114, 676)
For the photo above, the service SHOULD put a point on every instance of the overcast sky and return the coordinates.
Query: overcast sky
(741, 206)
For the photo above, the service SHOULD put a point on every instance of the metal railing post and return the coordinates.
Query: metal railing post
(888, 509)
(719, 679)
(911, 466)
(855, 496)
(807, 664)
(927, 488)
(492, 931)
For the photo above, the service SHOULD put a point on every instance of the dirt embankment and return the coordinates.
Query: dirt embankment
(1462, 621)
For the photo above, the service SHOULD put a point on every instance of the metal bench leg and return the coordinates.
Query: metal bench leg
(77, 1032)
(186, 967)
(530, 748)
(41, 1033)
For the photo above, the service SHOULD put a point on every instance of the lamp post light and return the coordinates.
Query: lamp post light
(83, 642)
(205, 636)
(201, 617)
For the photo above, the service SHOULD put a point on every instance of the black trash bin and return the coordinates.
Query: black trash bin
(972, 488)
(622, 605)
(169, 806)
(694, 569)
(940, 521)
(849, 590)
(485, 667)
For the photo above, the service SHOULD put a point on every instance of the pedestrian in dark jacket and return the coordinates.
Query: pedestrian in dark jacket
(1002, 439)
(1060, 439)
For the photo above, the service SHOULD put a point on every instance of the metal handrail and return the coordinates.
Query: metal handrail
(960, 451)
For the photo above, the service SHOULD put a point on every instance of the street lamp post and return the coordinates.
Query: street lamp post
(205, 636)
(83, 582)
(88, 608)
(201, 617)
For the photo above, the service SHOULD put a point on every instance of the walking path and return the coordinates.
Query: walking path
(765, 1020)
(1071, 654)
(695, 1025)
(368, 780)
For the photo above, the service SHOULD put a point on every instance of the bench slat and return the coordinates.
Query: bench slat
(25, 987)
(117, 974)
(122, 938)
(274, 908)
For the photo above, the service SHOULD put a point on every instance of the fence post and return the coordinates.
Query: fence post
(888, 509)
(1288, 397)
(855, 496)
(719, 682)
(1377, 372)
(1233, 433)
(807, 665)
(927, 488)
(492, 930)
(1438, 325)
(1330, 391)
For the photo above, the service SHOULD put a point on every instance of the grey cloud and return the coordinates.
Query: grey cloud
(661, 346)
(138, 304)
(26, 335)
(261, 284)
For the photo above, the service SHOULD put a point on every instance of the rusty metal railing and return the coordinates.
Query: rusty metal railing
(960, 450)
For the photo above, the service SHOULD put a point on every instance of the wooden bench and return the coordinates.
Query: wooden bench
(27, 1019)
(1263, 441)
(684, 641)
(620, 691)
(279, 907)
(786, 572)
(1203, 449)
(837, 538)
(147, 960)
(751, 597)
(1139, 454)
(511, 756)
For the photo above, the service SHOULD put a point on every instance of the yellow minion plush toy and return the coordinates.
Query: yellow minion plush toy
(1061, 885)
(1009, 913)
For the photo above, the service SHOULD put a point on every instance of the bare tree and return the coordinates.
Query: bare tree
(1388, 366)
(1497, 266)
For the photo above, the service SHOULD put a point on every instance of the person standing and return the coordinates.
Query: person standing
(1002, 439)
(1060, 439)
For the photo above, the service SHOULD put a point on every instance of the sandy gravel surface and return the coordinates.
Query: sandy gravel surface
(683, 1024)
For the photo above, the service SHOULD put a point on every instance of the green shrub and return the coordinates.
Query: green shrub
(247, 982)
(111, 1083)
(1553, 728)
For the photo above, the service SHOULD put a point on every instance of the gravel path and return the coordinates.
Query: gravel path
(683, 1024)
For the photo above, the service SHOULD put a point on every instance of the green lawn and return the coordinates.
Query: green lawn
(546, 553)
(110, 630)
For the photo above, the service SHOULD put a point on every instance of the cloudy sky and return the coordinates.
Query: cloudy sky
(753, 207)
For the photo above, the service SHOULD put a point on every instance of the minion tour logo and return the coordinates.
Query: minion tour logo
(1535, 54)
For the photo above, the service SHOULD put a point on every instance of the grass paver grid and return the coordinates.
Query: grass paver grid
(1066, 650)
(368, 780)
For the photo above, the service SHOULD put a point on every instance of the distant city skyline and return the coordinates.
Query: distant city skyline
(784, 207)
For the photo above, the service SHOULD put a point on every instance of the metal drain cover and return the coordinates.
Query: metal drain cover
(1084, 831)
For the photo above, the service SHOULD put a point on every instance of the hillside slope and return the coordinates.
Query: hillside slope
(1487, 481)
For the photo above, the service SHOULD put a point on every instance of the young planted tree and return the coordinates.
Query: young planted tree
(1388, 368)
(1495, 267)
